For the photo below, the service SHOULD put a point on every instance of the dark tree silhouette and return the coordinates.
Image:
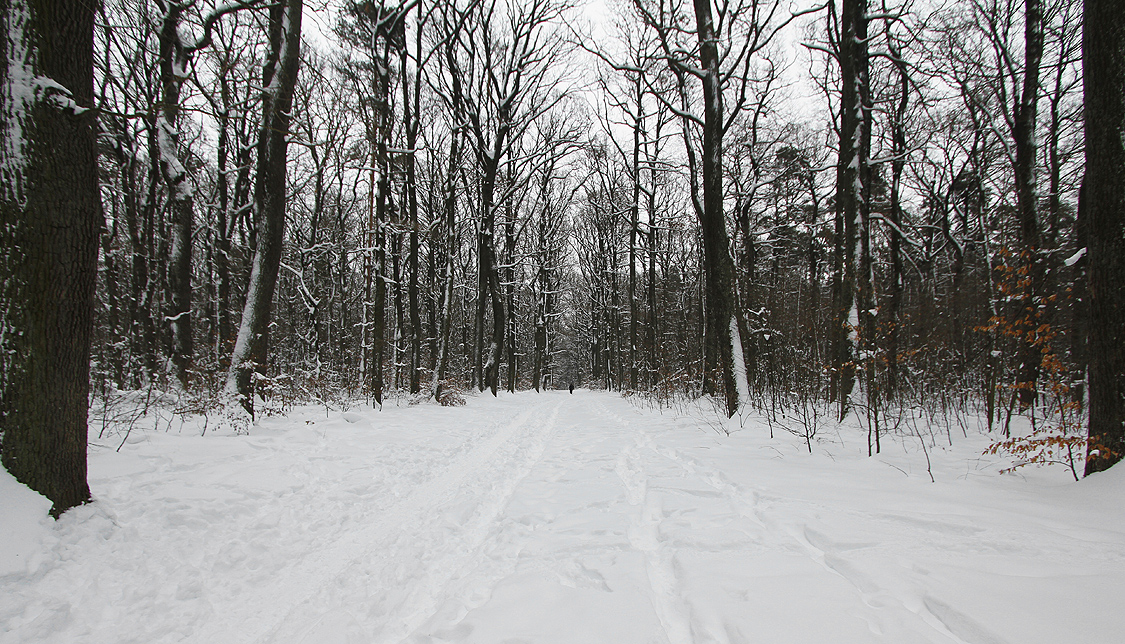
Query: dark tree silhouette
(50, 218)
(1103, 209)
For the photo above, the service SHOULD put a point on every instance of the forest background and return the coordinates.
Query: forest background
(805, 209)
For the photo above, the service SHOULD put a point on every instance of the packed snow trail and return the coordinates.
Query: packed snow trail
(555, 518)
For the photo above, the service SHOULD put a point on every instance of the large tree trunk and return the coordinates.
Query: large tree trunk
(1103, 211)
(634, 223)
(279, 79)
(1027, 196)
(542, 307)
(653, 246)
(490, 274)
(865, 275)
(50, 218)
(851, 206)
(383, 207)
(720, 343)
(477, 377)
(173, 61)
(450, 212)
(379, 317)
(898, 164)
(410, 116)
(510, 294)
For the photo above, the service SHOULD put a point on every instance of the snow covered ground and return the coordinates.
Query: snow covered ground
(557, 518)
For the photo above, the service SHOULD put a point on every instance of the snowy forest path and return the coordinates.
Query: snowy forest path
(762, 522)
(552, 518)
(382, 578)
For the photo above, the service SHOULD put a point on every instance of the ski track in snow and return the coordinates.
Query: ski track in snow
(911, 618)
(644, 534)
(439, 527)
(548, 518)
(943, 619)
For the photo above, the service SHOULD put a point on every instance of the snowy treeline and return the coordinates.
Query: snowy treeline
(468, 205)
(803, 208)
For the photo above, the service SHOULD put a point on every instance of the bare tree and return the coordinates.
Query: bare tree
(279, 77)
(132, 204)
(853, 192)
(558, 136)
(728, 39)
(1024, 133)
(498, 59)
(175, 59)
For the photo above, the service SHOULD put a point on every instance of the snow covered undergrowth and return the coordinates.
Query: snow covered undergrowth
(557, 518)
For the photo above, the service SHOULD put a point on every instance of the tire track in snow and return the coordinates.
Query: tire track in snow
(277, 606)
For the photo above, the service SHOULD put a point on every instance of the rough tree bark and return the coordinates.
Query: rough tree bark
(382, 183)
(489, 271)
(634, 223)
(50, 218)
(509, 285)
(1103, 209)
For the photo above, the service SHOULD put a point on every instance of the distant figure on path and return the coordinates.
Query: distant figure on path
(572, 387)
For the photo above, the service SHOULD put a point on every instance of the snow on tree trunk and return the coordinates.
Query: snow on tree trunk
(251, 347)
(739, 360)
(450, 212)
(719, 273)
(50, 219)
(490, 272)
(852, 206)
(173, 61)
